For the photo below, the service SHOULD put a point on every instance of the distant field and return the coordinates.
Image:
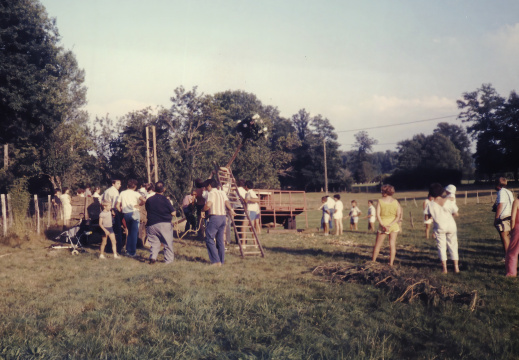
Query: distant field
(55, 305)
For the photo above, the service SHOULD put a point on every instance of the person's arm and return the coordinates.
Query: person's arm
(229, 208)
(499, 210)
(207, 205)
(118, 206)
(515, 205)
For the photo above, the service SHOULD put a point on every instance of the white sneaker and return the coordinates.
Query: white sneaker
(102, 256)
(117, 257)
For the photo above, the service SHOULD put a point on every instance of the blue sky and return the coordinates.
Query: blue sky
(361, 64)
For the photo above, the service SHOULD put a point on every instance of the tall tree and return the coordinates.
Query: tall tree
(362, 168)
(459, 138)
(41, 85)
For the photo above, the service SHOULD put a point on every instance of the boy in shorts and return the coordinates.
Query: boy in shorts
(354, 215)
(105, 223)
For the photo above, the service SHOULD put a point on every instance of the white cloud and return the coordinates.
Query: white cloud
(381, 103)
(505, 41)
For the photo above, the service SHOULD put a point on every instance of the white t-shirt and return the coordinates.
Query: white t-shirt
(354, 211)
(442, 216)
(372, 213)
(339, 206)
(129, 200)
(252, 206)
(331, 203)
(505, 197)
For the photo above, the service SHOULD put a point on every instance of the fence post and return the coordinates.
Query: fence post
(411, 218)
(477, 197)
(415, 204)
(37, 213)
(49, 210)
(9, 205)
(465, 198)
(4, 215)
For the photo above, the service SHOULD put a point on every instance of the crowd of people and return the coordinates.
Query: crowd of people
(206, 210)
(208, 205)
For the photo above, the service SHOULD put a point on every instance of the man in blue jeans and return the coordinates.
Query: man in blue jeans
(217, 204)
(128, 203)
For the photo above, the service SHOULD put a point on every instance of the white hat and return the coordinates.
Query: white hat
(451, 189)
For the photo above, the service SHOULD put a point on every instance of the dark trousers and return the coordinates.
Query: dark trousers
(214, 238)
(118, 231)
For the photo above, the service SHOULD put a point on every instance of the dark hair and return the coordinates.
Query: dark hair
(370, 202)
(114, 180)
(240, 183)
(324, 198)
(501, 182)
(159, 187)
(132, 184)
(212, 182)
(436, 190)
(150, 187)
(337, 196)
(249, 184)
(199, 183)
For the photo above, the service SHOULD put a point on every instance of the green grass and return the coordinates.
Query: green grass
(54, 305)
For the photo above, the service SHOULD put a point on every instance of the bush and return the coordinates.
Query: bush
(421, 178)
(20, 199)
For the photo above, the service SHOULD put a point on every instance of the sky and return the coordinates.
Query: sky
(362, 64)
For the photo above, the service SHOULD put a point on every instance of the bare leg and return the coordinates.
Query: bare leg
(427, 230)
(392, 247)
(444, 266)
(340, 226)
(378, 244)
(456, 267)
(103, 245)
(505, 239)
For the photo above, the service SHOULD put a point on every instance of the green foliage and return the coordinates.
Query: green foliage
(493, 122)
(19, 204)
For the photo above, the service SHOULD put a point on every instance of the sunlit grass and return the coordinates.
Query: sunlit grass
(55, 305)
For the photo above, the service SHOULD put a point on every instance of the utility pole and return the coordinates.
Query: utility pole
(151, 154)
(325, 168)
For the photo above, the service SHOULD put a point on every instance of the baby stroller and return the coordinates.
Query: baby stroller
(74, 237)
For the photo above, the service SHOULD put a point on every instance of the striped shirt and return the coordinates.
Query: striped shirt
(217, 199)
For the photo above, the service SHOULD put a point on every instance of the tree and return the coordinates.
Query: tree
(40, 85)
(301, 121)
(487, 115)
(459, 138)
(362, 168)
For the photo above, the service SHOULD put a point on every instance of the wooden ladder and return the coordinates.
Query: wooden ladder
(245, 234)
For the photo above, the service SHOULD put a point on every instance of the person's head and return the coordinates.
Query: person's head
(159, 187)
(132, 184)
(436, 190)
(116, 183)
(337, 197)
(66, 190)
(150, 187)
(353, 203)
(211, 184)
(199, 183)
(106, 205)
(97, 189)
(451, 191)
(80, 191)
(324, 199)
(249, 184)
(193, 192)
(240, 183)
(370, 202)
(430, 197)
(501, 183)
(387, 190)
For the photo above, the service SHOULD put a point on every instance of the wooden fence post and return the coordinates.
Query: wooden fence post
(465, 198)
(4, 215)
(37, 213)
(415, 204)
(49, 210)
(9, 210)
(411, 218)
(477, 197)
(405, 200)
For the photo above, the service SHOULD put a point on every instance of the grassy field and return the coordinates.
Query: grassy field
(54, 305)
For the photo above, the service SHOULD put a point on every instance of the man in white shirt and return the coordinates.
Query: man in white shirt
(111, 195)
(503, 207)
(217, 205)
(128, 203)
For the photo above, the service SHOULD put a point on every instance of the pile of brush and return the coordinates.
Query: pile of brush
(403, 285)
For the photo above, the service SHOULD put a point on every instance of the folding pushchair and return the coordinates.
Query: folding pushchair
(74, 236)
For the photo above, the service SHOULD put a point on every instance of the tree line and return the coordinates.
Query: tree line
(53, 142)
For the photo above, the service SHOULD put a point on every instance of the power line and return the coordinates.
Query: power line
(399, 124)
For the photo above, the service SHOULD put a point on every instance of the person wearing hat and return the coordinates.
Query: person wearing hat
(445, 229)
